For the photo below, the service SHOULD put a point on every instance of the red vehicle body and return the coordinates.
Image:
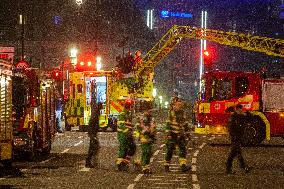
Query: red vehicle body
(262, 98)
(33, 113)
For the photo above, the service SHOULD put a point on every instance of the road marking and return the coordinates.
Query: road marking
(156, 153)
(196, 153)
(193, 161)
(154, 179)
(193, 168)
(85, 169)
(77, 144)
(64, 151)
(47, 160)
(202, 145)
(138, 177)
(131, 186)
(194, 178)
(196, 186)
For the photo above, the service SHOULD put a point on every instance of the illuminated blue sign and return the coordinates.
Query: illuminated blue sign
(282, 11)
(167, 14)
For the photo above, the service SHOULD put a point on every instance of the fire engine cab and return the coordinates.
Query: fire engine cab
(262, 98)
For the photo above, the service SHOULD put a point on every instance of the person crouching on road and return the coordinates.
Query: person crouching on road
(147, 134)
(127, 146)
(176, 133)
(93, 129)
(235, 127)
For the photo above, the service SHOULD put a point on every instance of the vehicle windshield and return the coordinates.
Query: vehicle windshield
(221, 89)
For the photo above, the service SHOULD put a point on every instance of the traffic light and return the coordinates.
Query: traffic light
(57, 75)
(207, 57)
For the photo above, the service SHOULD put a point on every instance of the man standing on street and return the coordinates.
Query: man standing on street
(235, 127)
(92, 132)
(127, 146)
(147, 136)
(176, 132)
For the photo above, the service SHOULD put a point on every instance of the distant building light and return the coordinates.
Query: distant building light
(150, 18)
(57, 20)
(167, 14)
(79, 2)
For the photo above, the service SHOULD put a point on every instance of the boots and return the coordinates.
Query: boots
(247, 169)
(122, 166)
(184, 168)
(147, 171)
(167, 168)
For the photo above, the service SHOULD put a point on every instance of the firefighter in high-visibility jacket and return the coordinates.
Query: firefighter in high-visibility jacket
(176, 132)
(146, 130)
(127, 146)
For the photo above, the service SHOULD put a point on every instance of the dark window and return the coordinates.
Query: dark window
(241, 86)
(80, 88)
(221, 89)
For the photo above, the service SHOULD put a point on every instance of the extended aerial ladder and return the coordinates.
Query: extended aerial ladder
(270, 46)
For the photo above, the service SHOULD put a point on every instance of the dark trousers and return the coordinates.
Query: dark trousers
(93, 150)
(171, 144)
(236, 151)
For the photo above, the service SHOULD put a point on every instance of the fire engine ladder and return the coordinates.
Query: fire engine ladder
(270, 46)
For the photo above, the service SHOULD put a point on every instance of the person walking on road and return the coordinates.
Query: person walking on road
(127, 146)
(147, 132)
(235, 127)
(93, 129)
(176, 131)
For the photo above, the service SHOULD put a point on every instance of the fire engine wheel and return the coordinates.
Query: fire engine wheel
(46, 150)
(254, 132)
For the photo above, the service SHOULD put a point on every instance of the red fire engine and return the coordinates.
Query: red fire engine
(263, 98)
(33, 113)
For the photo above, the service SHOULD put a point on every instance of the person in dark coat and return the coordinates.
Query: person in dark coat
(93, 129)
(235, 127)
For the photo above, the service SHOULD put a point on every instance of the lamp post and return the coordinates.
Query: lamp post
(161, 101)
(154, 93)
(99, 63)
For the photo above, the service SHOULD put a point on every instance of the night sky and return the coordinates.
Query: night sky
(55, 24)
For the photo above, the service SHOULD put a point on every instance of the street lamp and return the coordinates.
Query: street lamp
(73, 56)
(99, 63)
(154, 92)
(79, 2)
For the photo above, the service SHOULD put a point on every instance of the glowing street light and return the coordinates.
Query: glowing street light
(99, 63)
(79, 2)
(154, 92)
(166, 104)
(161, 99)
(73, 56)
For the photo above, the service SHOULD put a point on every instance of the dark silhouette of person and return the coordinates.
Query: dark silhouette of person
(93, 129)
(235, 127)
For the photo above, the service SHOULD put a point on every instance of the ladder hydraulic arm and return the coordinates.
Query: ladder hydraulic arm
(270, 46)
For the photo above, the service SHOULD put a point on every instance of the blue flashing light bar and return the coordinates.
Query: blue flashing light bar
(167, 14)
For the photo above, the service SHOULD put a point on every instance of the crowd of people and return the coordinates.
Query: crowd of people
(176, 132)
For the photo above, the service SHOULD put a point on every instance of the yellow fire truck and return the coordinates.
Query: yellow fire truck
(6, 129)
(105, 87)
